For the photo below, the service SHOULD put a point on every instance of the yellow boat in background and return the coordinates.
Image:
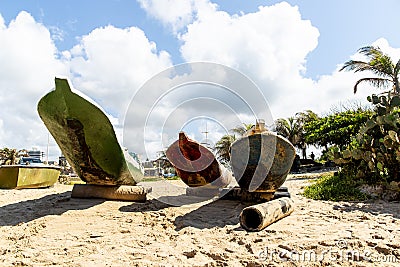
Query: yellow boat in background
(25, 176)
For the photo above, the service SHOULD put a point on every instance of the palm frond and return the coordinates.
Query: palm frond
(370, 51)
(241, 129)
(378, 82)
(397, 68)
(355, 65)
(222, 147)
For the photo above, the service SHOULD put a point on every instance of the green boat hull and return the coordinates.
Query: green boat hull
(17, 177)
(86, 137)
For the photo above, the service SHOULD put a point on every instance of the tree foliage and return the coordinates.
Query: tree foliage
(374, 153)
(288, 128)
(379, 64)
(240, 130)
(10, 156)
(336, 129)
(293, 128)
(222, 148)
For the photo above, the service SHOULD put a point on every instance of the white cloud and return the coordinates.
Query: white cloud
(187, 92)
(270, 46)
(110, 64)
(383, 44)
(28, 65)
(175, 14)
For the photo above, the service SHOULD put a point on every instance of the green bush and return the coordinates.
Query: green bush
(335, 188)
(374, 154)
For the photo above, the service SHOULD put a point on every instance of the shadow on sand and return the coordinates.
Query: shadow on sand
(218, 213)
(55, 204)
(162, 203)
(215, 214)
(149, 205)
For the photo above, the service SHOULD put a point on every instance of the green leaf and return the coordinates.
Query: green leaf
(380, 166)
(391, 120)
(395, 101)
(371, 165)
(383, 100)
(336, 155)
(388, 142)
(380, 120)
(375, 99)
(346, 154)
(380, 157)
(381, 110)
(360, 174)
(356, 154)
(368, 126)
(367, 155)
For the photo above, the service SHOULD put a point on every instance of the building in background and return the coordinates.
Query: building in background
(150, 169)
(62, 161)
(37, 154)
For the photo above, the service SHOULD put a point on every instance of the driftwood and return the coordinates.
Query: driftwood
(122, 192)
(257, 217)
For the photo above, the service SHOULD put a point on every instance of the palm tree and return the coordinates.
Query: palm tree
(222, 147)
(379, 64)
(288, 128)
(293, 129)
(242, 129)
(163, 161)
(302, 118)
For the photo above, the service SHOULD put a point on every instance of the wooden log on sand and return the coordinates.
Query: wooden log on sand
(122, 192)
(196, 165)
(257, 217)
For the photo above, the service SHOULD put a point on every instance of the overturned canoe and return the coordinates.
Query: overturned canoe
(21, 176)
(196, 165)
(261, 160)
(86, 137)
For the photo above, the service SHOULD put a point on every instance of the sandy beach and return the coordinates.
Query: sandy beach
(46, 227)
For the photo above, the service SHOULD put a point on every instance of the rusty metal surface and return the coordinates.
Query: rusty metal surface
(195, 164)
(238, 193)
(261, 161)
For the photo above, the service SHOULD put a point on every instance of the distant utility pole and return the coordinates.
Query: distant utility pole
(206, 132)
(48, 142)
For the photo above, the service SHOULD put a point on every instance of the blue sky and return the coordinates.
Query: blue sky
(344, 26)
(109, 49)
